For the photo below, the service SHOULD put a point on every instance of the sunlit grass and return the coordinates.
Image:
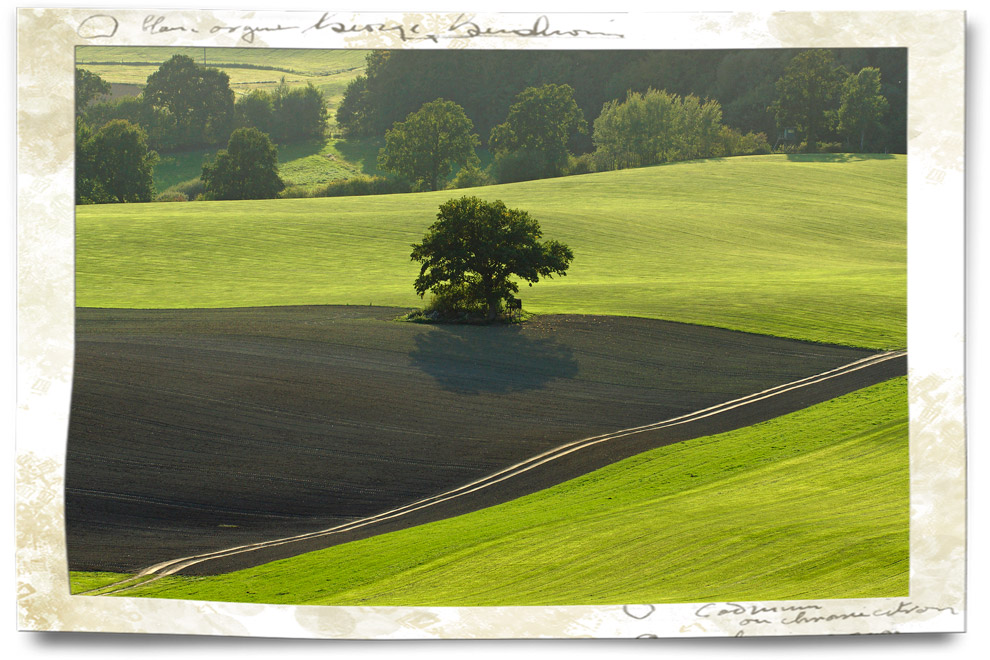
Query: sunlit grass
(810, 505)
(811, 249)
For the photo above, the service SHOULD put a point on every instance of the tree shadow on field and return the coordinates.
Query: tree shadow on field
(302, 149)
(494, 359)
(836, 158)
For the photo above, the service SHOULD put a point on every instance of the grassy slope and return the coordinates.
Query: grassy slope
(811, 248)
(328, 70)
(307, 163)
(810, 505)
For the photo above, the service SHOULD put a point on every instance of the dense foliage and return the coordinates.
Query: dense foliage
(114, 164)
(246, 169)
(89, 86)
(533, 140)
(470, 254)
(198, 101)
(287, 115)
(484, 83)
(429, 143)
(807, 92)
(862, 108)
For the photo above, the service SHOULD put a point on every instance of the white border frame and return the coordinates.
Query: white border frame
(936, 316)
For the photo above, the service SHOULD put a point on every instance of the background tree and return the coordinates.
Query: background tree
(88, 190)
(484, 82)
(117, 164)
(89, 86)
(807, 93)
(246, 169)
(199, 99)
(299, 113)
(255, 110)
(862, 106)
(426, 146)
(475, 248)
(536, 132)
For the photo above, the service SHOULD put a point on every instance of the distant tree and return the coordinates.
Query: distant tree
(475, 248)
(299, 113)
(862, 106)
(199, 99)
(89, 86)
(116, 163)
(246, 169)
(656, 127)
(88, 190)
(426, 146)
(539, 126)
(255, 110)
(351, 110)
(807, 94)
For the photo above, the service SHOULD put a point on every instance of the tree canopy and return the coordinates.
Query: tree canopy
(539, 126)
(807, 94)
(246, 169)
(89, 86)
(426, 146)
(198, 99)
(862, 105)
(484, 83)
(475, 248)
(114, 164)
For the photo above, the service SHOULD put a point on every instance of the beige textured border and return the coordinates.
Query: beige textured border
(935, 40)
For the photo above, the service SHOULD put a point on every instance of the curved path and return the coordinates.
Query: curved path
(547, 468)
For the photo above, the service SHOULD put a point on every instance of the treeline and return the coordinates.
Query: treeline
(485, 84)
(183, 106)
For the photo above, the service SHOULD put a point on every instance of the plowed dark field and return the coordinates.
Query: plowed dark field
(196, 430)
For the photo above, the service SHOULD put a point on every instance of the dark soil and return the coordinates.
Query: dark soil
(196, 430)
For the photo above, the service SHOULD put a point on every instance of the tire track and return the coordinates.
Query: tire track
(171, 567)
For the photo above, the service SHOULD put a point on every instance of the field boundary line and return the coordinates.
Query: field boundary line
(170, 567)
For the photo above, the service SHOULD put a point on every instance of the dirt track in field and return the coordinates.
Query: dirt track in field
(197, 430)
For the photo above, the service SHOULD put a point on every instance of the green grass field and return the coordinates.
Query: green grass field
(308, 163)
(810, 505)
(806, 247)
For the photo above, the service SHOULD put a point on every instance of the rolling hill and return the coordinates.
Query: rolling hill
(808, 248)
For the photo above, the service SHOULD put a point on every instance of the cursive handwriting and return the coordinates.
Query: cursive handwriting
(155, 25)
(462, 27)
(745, 616)
(540, 28)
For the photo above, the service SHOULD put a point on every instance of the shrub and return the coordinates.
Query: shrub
(471, 176)
(363, 185)
(192, 188)
(171, 196)
(523, 165)
(295, 192)
(454, 303)
(583, 164)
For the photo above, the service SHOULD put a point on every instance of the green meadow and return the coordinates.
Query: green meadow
(807, 247)
(248, 68)
(307, 163)
(810, 505)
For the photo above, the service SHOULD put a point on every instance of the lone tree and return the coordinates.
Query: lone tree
(427, 145)
(474, 249)
(808, 93)
(246, 169)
